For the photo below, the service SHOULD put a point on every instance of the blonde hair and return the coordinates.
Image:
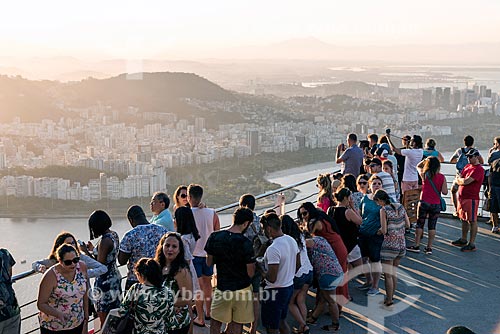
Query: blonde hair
(326, 186)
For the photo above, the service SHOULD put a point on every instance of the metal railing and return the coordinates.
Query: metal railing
(448, 177)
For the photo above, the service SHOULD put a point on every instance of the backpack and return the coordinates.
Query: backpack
(462, 160)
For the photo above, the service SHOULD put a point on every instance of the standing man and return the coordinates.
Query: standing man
(350, 158)
(233, 254)
(412, 157)
(375, 167)
(405, 141)
(159, 207)
(469, 185)
(10, 313)
(207, 222)
(459, 158)
(141, 241)
(282, 261)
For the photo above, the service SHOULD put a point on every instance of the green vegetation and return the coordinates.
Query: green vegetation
(224, 182)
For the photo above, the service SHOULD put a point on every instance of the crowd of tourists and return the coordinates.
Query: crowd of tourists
(265, 265)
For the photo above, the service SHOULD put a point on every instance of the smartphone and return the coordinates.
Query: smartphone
(81, 243)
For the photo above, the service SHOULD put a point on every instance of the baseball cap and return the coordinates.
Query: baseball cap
(472, 153)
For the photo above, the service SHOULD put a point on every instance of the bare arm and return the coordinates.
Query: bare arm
(461, 181)
(272, 272)
(444, 188)
(216, 222)
(353, 216)
(123, 257)
(105, 247)
(297, 262)
(185, 283)
(393, 148)
(251, 269)
(383, 221)
(210, 260)
(440, 157)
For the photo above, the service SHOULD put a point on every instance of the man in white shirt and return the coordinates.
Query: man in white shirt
(282, 261)
(413, 156)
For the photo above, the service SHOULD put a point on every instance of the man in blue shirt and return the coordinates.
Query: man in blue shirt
(159, 207)
(352, 157)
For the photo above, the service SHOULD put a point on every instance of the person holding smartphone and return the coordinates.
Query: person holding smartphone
(351, 159)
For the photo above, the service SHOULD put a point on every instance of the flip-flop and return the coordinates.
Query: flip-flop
(198, 324)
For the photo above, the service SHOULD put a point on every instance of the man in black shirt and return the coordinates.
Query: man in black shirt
(232, 252)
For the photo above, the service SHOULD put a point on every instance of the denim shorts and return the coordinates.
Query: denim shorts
(370, 246)
(273, 310)
(330, 282)
(201, 267)
(299, 282)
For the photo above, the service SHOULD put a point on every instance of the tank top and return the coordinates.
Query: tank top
(66, 297)
(204, 219)
(348, 230)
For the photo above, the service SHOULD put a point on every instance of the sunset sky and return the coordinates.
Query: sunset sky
(101, 29)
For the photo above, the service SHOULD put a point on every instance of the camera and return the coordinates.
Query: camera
(388, 131)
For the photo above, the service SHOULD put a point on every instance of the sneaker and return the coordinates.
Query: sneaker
(468, 248)
(364, 287)
(372, 292)
(459, 242)
(413, 249)
(428, 251)
(494, 229)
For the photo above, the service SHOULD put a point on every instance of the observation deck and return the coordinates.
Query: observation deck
(434, 292)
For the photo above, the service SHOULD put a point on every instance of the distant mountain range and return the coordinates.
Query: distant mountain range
(154, 92)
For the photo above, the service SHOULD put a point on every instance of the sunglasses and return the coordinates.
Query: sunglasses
(363, 183)
(183, 195)
(373, 165)
(69, 262)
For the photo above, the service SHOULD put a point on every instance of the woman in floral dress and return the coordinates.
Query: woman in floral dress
(149, 301)
(107, 288)
(393, 220)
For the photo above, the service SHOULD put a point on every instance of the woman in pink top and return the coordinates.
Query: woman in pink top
(325, 195)
(430, 202)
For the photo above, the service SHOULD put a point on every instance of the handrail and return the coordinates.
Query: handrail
(221, 209)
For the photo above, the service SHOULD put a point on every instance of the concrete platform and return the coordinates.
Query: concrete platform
(434, 291)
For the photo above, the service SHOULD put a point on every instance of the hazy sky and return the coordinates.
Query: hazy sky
(103, 29)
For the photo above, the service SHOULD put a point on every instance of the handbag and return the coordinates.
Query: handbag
(487, 204)
(116, 324)
(260, 242)
(443, 202)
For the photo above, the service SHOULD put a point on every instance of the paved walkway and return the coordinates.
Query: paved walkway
(435, 291)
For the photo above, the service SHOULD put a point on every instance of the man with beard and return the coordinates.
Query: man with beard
(232, 252)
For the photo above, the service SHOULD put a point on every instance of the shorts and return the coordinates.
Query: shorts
(299, 282)
(429, 211)
(201, 267)
(274, 310)
(467, 209)
(409, 185)
(370, 246)
(454, 186)
(11, 325)
(495, 199)
(76, 330)
(256, 281)
(354, 254)
(330, 282)
(228, 306)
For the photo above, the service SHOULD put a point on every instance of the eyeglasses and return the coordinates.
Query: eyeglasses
(362, 183)
(183, 195)
(155, 201)
(372, 165)
(304, 213)
(69, 262)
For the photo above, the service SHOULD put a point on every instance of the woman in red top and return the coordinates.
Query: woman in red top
(325, 195)
(330, 232)
(430, 202)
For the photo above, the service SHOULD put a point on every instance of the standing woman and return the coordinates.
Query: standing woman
(186, 226)
(150, 302)
(176, 277)
(349, 182)
(303, 277)
(393, 220)
(371, 237)
(106, 251)
(325, 195)
(430, 202)
(62, 295)
(180, 197)
(430, 150)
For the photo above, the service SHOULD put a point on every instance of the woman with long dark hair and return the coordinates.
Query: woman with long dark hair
(186, 226)
(303, 277)
(62, 296)
(180, 197)
(176, 277)
(393, 220)
(429, 205)
(349, 182)
(331, 233)
(149, 301)
(106, 252)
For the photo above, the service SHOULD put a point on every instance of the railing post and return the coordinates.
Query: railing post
(280, 204)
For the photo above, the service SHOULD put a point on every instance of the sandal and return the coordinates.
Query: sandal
(333, 327)
(311, 319)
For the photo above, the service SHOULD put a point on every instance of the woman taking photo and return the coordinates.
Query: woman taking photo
(303, 277)
(106, 251)
(94, 268)
(393, 220)
(149, 302)
(429, 206)
(62, 296)
(430, 150)
(371, 237)
(176, 277)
